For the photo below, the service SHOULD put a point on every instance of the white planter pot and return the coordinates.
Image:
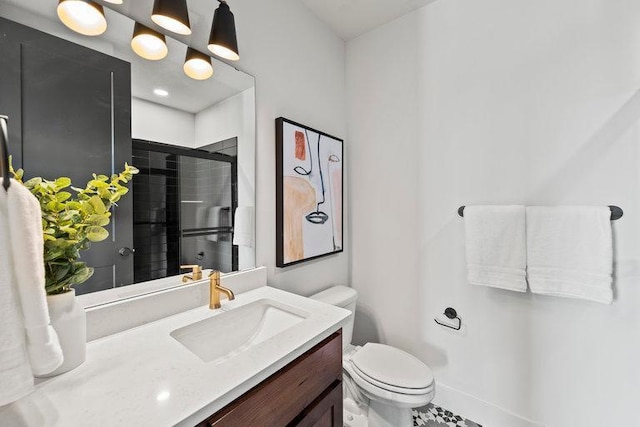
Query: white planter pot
(69, 320)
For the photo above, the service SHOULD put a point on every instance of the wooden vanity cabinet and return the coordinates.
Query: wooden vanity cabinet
(305, 393)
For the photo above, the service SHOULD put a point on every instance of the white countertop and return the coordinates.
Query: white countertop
(144, 377)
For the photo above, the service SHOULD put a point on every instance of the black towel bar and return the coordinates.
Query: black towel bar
(616, 212)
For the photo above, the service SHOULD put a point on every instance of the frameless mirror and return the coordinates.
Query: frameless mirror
(193, 141)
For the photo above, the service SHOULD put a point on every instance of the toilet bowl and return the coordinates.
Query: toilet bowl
(384, 382)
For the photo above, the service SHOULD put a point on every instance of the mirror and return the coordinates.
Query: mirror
(193, 141)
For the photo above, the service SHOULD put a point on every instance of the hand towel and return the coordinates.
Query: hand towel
(243, 227)
(213, 221)
(496, 246)
(16, 378)
(28, 344)
(570, 252)
(25, 222)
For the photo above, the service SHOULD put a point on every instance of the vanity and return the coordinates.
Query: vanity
(267, 358)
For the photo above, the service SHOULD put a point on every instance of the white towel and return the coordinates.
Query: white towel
(496, 246)
(213, 221)
(570, 252)
(243, 227)
(28, 344)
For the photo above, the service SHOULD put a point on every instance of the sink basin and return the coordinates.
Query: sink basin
(220, 337)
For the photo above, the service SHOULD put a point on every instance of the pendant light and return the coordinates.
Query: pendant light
(172, 15)
(222, 40)
(82, 16)
(148, 43)
(197, 65)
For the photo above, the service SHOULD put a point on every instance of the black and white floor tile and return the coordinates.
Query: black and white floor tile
(435, 416)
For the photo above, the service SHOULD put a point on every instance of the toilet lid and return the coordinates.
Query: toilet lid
(392, 366)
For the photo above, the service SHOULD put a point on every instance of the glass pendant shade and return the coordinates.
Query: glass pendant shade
(222, 40)
(147, 43)
(197, 65)
(82, 16)
(172, 15)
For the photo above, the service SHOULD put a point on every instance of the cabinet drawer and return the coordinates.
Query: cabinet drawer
(281, 398)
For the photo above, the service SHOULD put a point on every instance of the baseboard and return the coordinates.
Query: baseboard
(477, 410)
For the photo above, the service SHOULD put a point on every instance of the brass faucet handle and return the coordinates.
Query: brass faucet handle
(196, 271)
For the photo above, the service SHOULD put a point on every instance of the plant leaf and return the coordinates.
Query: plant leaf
(98, 205)
(96, 233)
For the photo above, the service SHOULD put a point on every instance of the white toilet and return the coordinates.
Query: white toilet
(384, 382)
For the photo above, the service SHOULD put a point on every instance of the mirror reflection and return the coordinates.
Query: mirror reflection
(89, 104)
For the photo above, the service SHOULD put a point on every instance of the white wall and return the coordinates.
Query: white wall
(299, 68)
(158, 123)
(498, 101)
(234, 118)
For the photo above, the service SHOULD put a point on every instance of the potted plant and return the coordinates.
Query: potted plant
(71, 223)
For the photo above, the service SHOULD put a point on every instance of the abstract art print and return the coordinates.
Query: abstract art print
(309, 193)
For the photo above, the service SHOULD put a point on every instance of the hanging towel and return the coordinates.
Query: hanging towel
(213, 221)
(243, 227)
(496, 246)
(28, 344)
(570, 252)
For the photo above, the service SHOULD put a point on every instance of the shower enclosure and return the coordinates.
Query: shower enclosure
(183, 205)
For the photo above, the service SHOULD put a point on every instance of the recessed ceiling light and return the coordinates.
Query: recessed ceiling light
(161, 92)
(163, 395)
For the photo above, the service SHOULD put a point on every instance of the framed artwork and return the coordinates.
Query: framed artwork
(309, 193)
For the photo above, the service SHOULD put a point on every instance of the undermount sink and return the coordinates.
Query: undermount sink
(222, 336)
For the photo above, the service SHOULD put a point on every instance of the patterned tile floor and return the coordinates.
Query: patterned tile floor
(435, 416)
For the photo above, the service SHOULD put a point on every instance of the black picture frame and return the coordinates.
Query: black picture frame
(321, 173)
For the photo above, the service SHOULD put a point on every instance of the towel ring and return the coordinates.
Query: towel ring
(451, 313)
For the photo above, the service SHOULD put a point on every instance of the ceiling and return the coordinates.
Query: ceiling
(351, 18)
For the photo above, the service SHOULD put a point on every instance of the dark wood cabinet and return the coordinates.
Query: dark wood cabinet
(305, 393)
(69, 110)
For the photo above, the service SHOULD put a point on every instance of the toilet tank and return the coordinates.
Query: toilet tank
(345, 297)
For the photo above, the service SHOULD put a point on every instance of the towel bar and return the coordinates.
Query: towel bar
(616, 212)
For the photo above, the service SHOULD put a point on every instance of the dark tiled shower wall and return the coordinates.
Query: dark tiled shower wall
(156, 217)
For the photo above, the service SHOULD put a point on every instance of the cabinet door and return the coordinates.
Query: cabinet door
(307, 389)
(69, 111)
(325, 411)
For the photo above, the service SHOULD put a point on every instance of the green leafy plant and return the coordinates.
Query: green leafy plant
(71, 222)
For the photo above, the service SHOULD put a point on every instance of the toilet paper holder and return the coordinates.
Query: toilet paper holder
(451, 313)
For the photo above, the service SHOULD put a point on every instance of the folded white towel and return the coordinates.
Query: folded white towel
(243, 227)
(570, 252)
(496, 246)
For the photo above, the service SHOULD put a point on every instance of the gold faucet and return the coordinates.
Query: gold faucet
(196, 273)
(215, 289)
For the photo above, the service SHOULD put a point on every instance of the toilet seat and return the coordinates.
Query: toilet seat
(391, 368)
(390, 375)
(390, 387)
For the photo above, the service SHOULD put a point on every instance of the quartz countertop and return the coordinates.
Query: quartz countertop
(144, 377)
